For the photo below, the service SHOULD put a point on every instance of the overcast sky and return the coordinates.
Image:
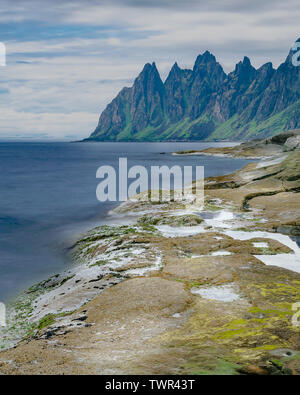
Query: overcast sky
(66, 60)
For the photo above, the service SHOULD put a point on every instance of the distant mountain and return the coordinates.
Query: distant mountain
(205, 103)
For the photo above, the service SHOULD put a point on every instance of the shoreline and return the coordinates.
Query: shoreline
(110, 257)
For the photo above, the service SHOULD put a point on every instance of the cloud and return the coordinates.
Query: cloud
(27, 125)
(44, 10)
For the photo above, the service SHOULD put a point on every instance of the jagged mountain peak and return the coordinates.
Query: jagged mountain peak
(175, 69)
(244, 66)
(175, 73)
(204, 59)
(267, 66)
(149, 78)
(246, 61)
(205, 103)
(149, 68)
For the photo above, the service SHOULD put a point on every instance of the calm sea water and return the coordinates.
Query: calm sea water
(48, 198)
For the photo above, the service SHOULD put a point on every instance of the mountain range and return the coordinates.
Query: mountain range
(205, 103)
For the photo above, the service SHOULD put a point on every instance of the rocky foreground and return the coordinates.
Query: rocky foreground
(178, 290)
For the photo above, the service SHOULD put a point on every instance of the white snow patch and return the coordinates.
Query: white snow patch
(176, 315)
(221, 220)
(260, 245)
(223, 293)
(215, 253)
(141, 271)
(221, 253)
(283, 239)
(182, 231)
(286, 261)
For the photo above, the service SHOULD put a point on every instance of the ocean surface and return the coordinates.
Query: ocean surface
(48, 199)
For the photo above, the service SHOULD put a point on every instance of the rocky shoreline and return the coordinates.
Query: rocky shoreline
(178, 290)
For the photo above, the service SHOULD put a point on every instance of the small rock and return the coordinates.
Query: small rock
(254, 370)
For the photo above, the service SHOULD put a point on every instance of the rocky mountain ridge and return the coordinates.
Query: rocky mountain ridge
(205, 103)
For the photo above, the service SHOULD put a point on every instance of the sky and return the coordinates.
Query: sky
(66, 60)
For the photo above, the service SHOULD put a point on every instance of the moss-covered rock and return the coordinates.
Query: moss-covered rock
(171, 220)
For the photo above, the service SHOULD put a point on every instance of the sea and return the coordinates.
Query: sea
(48, 198)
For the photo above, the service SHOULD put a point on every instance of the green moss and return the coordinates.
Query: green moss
(211, 207)
(244, 332)
(91, 250)
(99, 263)
(222, 368)
(171, 220)
(272, 312)
(148, 220)
(66, 279)
(267, 347)
(49, 319)
(266, 251)
(236, 323)
(148, 228)
(279, 291)
(46, 321)
(243, 229)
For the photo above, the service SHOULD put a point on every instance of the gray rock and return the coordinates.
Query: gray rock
(292, 143)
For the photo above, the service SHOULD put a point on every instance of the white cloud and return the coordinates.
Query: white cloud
(52, 126)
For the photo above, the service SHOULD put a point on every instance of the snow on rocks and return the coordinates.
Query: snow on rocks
(222, 293)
